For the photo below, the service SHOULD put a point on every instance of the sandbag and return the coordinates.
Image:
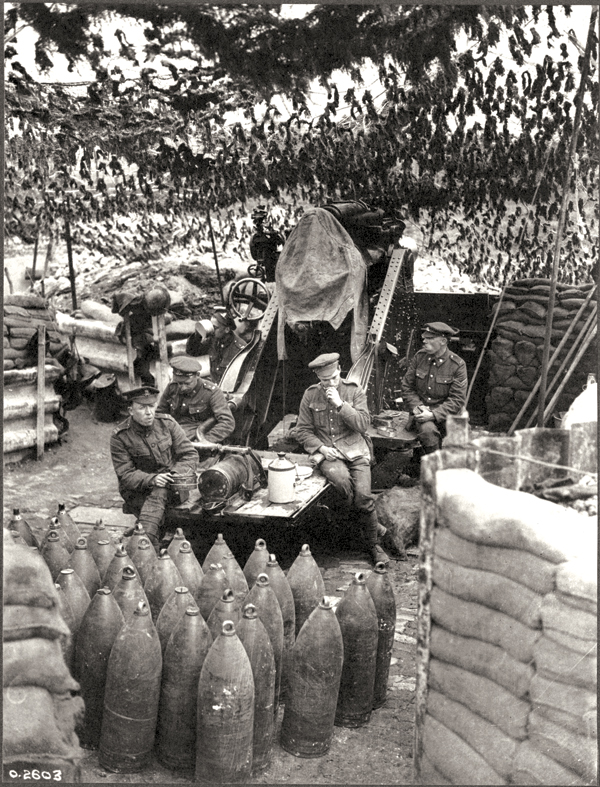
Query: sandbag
(8, 364)
(12, 353)
(523, 567)
(68, 713)
(568, 620)
(27, 579)
(583, 725)
(496, 748)
(474, 620)
(26, 301)
(567, 666)
(430, 774)
(22, 622)
(37, 662)
(487, 514)
(533, 767)
(570, 642)
(574, 701)
(577, 602)
(30, 725)
(491, 590)
(481, 658)
(575, 752)
(180, 329)
(482, 696)
(454, 758)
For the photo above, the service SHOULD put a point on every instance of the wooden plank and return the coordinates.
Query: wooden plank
(162, 365)
(129, 348)
(41, 390)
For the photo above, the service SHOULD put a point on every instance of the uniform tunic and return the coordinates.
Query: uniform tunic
(206, 400)
(139, 454)
(321, 423)
(220, 351)
(440, 384)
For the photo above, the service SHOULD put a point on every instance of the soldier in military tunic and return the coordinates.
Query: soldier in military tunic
(221, 347)
(332, 424)
(198, 405)
(434, 386)
(146, 450)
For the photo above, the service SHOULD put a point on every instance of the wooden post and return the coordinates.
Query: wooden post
(129, 348)
(429, 467)
(566, 194)
(561, 344)
(160, 336)
(590, 322)
(587, 340)
(41, 390)
(70, 258)
(35, 253)
(214, 248)
(8, 279)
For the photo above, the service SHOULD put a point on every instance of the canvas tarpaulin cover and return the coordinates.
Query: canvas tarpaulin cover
(321, 276)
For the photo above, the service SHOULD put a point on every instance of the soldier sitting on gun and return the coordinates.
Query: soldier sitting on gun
(147, 450)
(332, 423)
(434, 386)
(198, 405)
(221, 344)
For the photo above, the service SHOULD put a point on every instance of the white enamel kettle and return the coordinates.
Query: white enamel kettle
(282, 475)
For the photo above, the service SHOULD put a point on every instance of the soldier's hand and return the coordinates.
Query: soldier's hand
(163, 479)
(334, 396)
(329, 453)
(424, 415)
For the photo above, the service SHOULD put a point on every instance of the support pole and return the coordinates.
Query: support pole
(214, 248)
(35, 253)
(70, 258)
(129, 348)
(562, 216)
(160, 337)
(41, 391)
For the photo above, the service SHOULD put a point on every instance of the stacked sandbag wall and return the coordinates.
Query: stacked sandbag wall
(40, 709)
(20, 410)
(515, 353)
(506, 673)
(99, 337)
(22, 315)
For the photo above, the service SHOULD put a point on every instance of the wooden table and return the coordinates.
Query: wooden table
(307, 492)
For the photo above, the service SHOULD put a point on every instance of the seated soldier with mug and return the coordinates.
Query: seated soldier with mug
(148, 450)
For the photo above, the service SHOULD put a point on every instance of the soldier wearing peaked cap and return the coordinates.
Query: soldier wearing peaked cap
(435, 385)
(332, 424)
(198, 405)
(221, 345)
(146, 450)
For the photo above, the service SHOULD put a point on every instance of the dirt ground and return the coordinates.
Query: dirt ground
(79, 473)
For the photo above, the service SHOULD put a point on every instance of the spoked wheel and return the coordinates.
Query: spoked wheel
(249, 298)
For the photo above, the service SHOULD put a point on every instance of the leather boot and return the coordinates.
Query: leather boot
(370, 535)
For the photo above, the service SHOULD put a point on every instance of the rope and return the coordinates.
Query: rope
(531, 459)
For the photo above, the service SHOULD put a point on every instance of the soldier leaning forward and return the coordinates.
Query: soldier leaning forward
(146, 450)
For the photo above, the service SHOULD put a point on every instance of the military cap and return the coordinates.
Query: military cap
(224, 318)
(145, 395)
(185, 364)
(440, 329)
(325, 364)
